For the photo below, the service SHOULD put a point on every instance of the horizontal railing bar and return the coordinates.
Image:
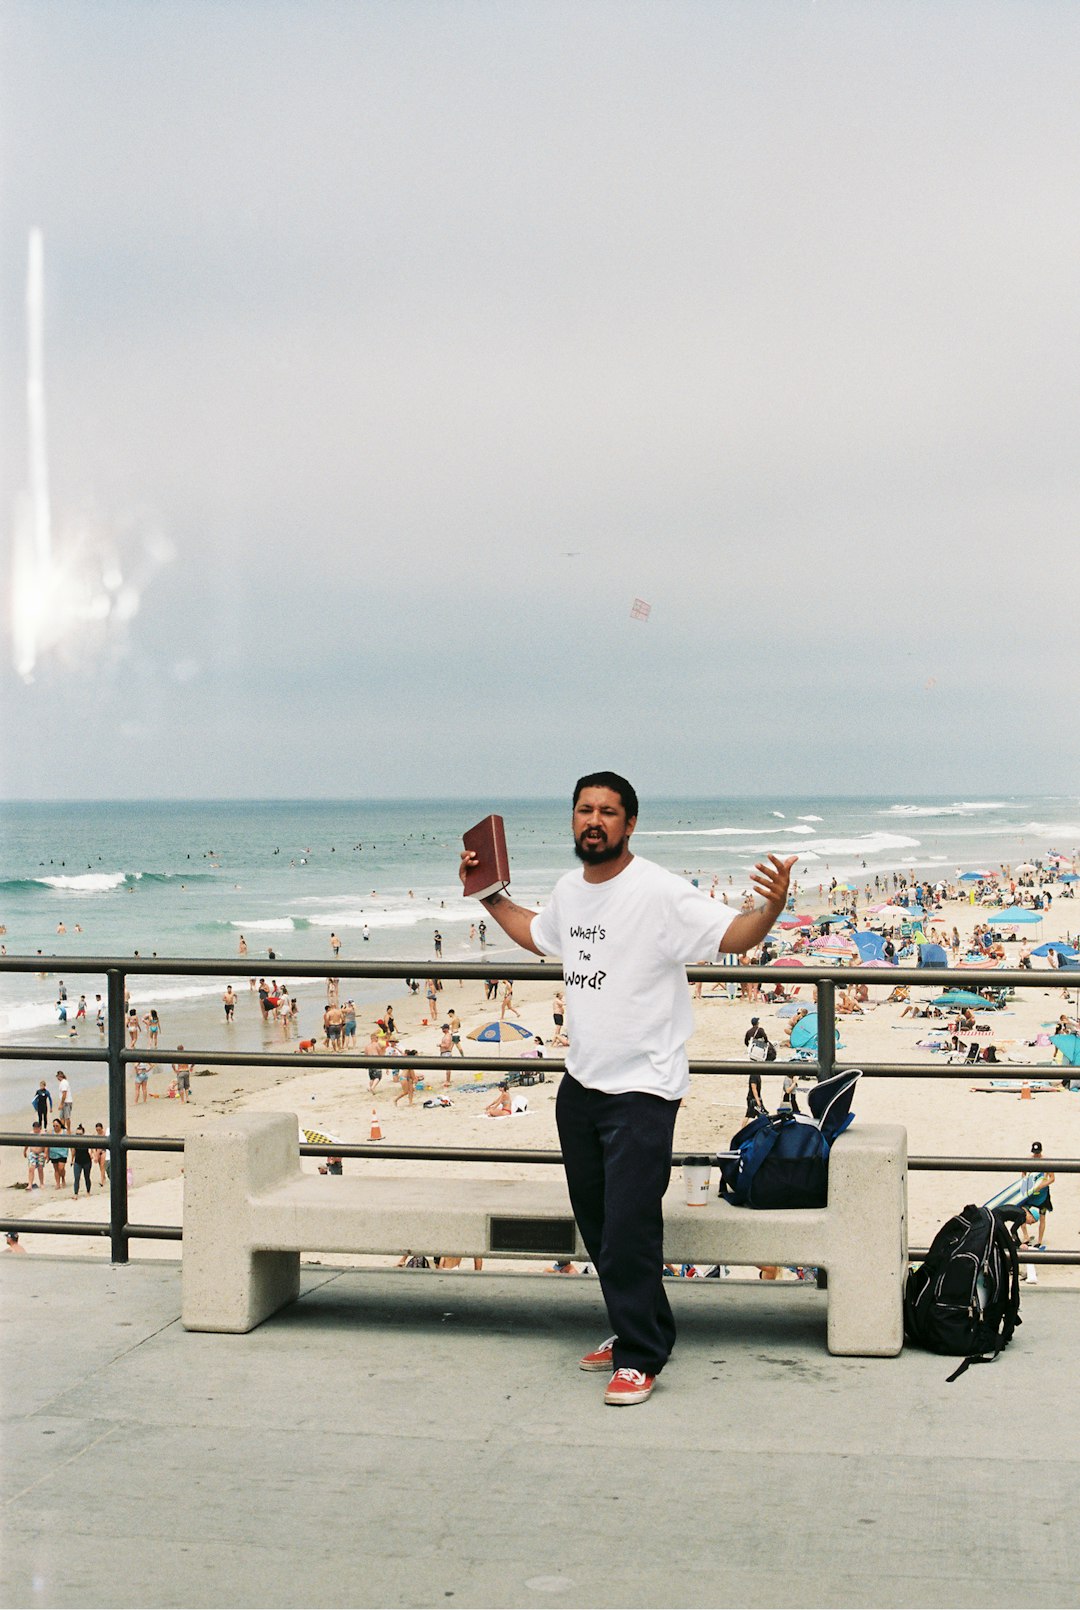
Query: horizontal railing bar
(531, 972)
(1057, 1073)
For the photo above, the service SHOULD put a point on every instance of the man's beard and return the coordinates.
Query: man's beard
(599, 851)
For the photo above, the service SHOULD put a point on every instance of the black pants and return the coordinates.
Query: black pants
(617, 1155)
(84, 1170)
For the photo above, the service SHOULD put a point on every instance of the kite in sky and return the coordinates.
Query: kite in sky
(640, 610)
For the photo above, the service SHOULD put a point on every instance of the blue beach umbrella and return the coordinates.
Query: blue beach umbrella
(871, 947)
(1068, 1045)
(1058, 945)
(965, 997)
(1070, 877)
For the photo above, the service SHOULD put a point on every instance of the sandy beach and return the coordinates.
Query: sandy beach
(942, 1117)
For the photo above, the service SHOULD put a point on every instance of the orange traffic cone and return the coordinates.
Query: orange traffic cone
(376, 1129)
(1025, 1091)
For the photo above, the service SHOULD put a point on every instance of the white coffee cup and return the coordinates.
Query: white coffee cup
(696, 1174)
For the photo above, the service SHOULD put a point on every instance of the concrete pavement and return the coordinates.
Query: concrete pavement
(421, 1439)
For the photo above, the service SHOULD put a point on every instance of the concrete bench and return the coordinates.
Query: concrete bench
(249, 1212)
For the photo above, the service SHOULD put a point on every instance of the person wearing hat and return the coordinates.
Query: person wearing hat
(1038, 1204)
(756, 1036)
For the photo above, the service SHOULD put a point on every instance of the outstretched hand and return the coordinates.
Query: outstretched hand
(772, 882)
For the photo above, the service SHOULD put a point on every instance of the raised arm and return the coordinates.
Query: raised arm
(750, 927)
(514, 920)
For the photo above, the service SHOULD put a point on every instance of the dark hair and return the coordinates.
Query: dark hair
(1036, 1147)
(617, 784)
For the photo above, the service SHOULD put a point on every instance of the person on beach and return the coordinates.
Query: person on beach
(374, 1048)
(242, 947)
(446, 1049)
(508, 1000)
(558, 1017)
(437, 942)
(142, 1081)
(63, 1099)
(335, 945)
(455, 1032)
(132, 1029)
(80, 1010)
(58, 1156)
(97, 1155)
(1038, 1204)
(80, 1162)
(408, 1083)
(229, 1002)
(42, 1103)
(502, 1106)
(626, 929)
(152, 1024)
(182, 1070)
(36, 1158)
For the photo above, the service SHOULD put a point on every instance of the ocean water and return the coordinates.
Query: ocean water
(187, 879)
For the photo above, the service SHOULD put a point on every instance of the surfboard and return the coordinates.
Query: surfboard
(1027, 1185)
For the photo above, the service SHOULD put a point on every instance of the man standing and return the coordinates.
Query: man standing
(64, 1099)
(183, 1071)
(625, 929)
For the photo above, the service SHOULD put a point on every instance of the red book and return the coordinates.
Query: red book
(491, 874)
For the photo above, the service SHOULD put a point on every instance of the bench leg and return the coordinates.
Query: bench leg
(229, 1285)
(868, 1250)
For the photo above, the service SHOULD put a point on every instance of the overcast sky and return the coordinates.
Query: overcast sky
(393, 349)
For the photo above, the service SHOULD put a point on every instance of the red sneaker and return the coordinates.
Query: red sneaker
(602, 1359)
(629, 1386)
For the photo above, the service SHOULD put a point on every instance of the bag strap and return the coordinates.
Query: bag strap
(974, 1358)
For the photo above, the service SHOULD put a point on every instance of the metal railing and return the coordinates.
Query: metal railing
(116, 1056)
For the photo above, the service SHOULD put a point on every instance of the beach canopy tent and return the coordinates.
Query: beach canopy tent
(1012, 915)
(965, 997)
(932, 956)
(804, 1036)
(837, 946)
(489, 1033)
(1067, 1044)
(871, 947)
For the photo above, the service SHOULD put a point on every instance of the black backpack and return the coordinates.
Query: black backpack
(965, 1296)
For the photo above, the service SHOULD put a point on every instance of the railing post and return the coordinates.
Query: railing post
(826, 1026)
(118, 1189)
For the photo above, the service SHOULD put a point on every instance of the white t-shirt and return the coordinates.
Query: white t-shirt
(624, 946)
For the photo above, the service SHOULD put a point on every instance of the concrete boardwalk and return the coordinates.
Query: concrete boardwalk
(428, 1440)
